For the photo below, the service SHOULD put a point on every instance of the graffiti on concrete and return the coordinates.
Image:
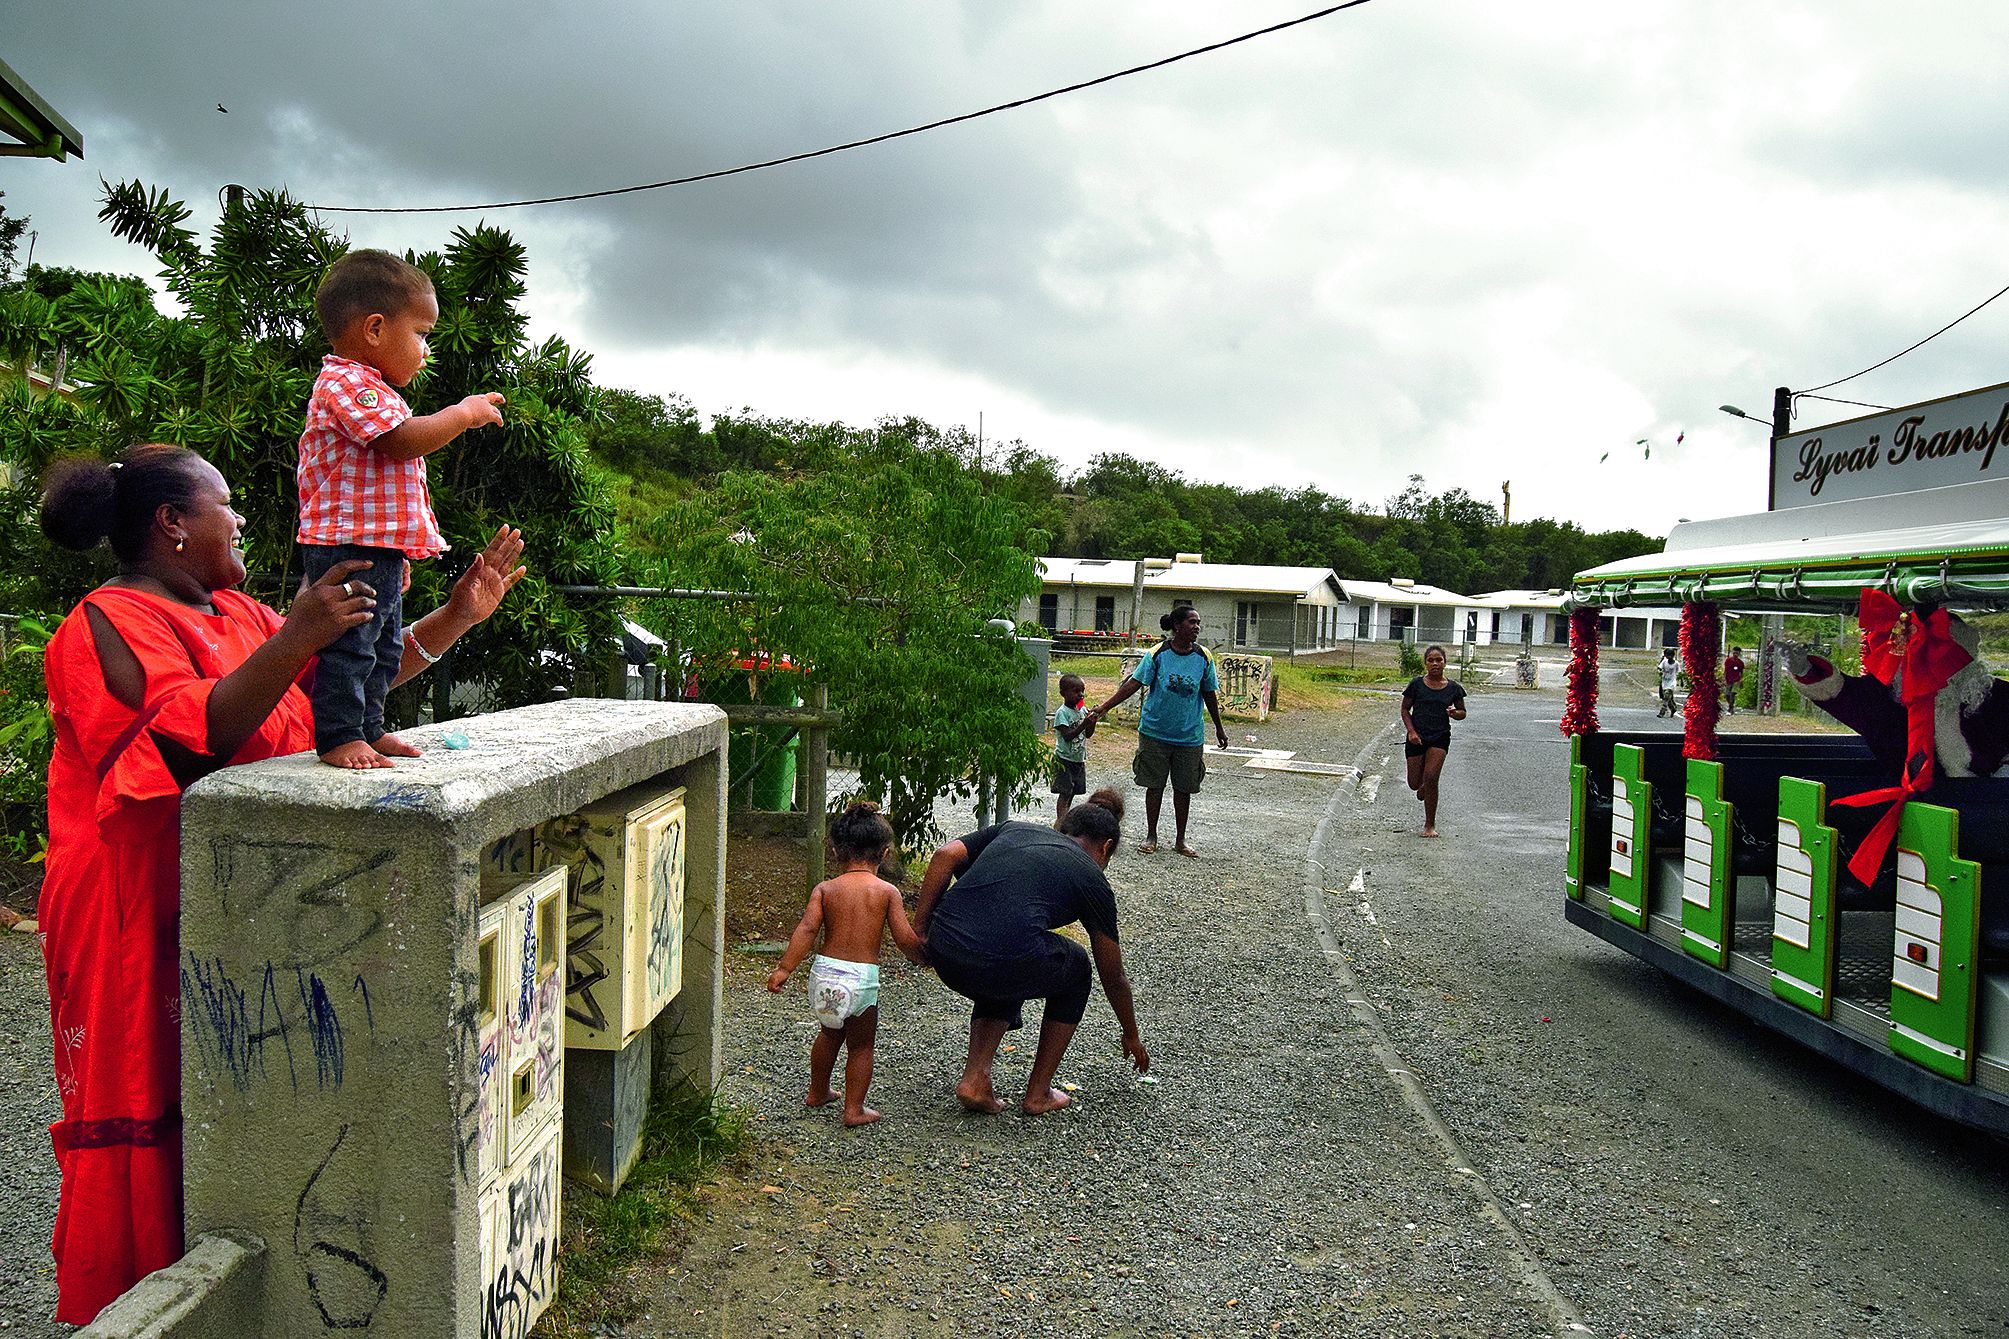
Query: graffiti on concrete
(269, 1024)
(330, 1229)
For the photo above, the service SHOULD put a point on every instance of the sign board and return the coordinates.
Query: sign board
(1955, 440)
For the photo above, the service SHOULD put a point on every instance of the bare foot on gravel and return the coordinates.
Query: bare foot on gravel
(1054, 1100)
(823, 1099)
(980, 1098)
(356, 756)
(393, 747)
(1430, 832)
(862, 1116)
(1187, 851)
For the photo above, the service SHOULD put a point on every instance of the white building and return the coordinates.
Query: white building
(1504, 611)
(1242, 606)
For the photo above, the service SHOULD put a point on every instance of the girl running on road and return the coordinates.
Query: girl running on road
(1429, 705)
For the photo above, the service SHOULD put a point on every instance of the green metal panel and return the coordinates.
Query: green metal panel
(1937, 944)
(1631, 835)
(1803, 899)
(1579, 818)
(1705, 865)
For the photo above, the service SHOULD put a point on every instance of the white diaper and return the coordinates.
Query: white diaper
(839, 990)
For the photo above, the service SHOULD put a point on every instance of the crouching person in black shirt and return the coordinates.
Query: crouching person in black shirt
(988, 907)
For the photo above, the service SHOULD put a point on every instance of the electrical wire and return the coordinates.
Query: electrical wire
(1901, 352)
(1860, 404)
(850, 144)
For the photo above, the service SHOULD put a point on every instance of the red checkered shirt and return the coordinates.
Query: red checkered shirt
(350, 492)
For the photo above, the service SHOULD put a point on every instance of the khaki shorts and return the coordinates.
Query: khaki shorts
(1184, 765)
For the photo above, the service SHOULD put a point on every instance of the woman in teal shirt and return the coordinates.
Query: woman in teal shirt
(1171, 735)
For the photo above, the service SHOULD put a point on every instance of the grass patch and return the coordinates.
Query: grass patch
(691, 1134)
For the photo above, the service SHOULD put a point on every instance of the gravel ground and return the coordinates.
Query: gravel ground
(27, 1168)
(1273, 1181)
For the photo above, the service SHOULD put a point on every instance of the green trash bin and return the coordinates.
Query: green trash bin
(769, 751)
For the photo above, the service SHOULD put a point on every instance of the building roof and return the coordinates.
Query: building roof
(1384, 592)
(1521, 599)
(1237, 578)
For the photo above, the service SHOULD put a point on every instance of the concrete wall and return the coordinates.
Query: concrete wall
(331, 1003)
(213, 1292)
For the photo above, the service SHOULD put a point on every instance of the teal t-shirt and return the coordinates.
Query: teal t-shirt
(1172, 709)
(1065, 749)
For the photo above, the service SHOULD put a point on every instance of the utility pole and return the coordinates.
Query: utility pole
(1506, 502)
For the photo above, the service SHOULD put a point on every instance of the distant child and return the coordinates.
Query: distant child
(1669, 681)
(1071, 729)
(853, 909)
(363, 495)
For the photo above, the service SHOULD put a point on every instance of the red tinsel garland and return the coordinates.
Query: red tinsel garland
(1701, 642)
(1580, 708)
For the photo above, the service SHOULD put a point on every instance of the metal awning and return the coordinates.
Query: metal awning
(1947, 545)
(32, 125)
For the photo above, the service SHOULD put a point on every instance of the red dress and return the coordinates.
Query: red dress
(110, 919)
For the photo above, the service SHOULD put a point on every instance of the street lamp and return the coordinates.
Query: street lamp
(1782, 412)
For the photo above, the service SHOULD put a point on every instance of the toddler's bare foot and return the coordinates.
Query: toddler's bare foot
(823, 1099)
(393, 747)
(862, 1116)
(354, 755)
(978, 1097)
(1054, 1100)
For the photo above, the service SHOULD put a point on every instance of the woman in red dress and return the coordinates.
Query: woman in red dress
(160, 676)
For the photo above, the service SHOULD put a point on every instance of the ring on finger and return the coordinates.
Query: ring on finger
(346, 590)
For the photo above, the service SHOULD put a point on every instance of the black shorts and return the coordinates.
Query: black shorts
(1442, 741)
(1070, 776)
(1059, 973)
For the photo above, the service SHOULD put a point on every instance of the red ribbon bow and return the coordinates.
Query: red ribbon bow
(1899, 640)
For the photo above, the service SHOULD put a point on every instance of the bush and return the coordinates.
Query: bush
(1412, 660)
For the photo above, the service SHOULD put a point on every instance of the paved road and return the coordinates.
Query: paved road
(1675, 1169)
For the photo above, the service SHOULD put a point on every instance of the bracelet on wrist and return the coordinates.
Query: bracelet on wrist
(412, 640)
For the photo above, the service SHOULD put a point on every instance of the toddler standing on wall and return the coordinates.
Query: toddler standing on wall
(363, 494)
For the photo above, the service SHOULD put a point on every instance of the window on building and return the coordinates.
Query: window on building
(1105, 613)
(1049, 611)
(1401, 624)
(1246, 623)
(1364, 626)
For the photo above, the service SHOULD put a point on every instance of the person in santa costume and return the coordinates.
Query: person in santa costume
(1970, 714)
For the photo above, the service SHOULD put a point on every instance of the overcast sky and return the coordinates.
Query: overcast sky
(1472, 240)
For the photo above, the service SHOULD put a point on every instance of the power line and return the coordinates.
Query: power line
(1901, 352)
(851, 144)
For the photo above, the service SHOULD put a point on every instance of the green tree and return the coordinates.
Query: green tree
(230, 374)
(875, 568)
(12, 227)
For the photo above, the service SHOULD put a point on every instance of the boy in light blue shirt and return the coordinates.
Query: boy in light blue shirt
(1071, 729)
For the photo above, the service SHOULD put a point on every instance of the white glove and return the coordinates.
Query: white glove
(1799, 658)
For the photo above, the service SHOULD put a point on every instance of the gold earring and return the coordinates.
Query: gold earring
(178, 546)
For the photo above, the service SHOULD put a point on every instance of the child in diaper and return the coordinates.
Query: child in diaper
(853, 909)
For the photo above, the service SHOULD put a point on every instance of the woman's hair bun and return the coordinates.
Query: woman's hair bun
(85, 499)
(862, 807)
(1109, 799)
(77, 495)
